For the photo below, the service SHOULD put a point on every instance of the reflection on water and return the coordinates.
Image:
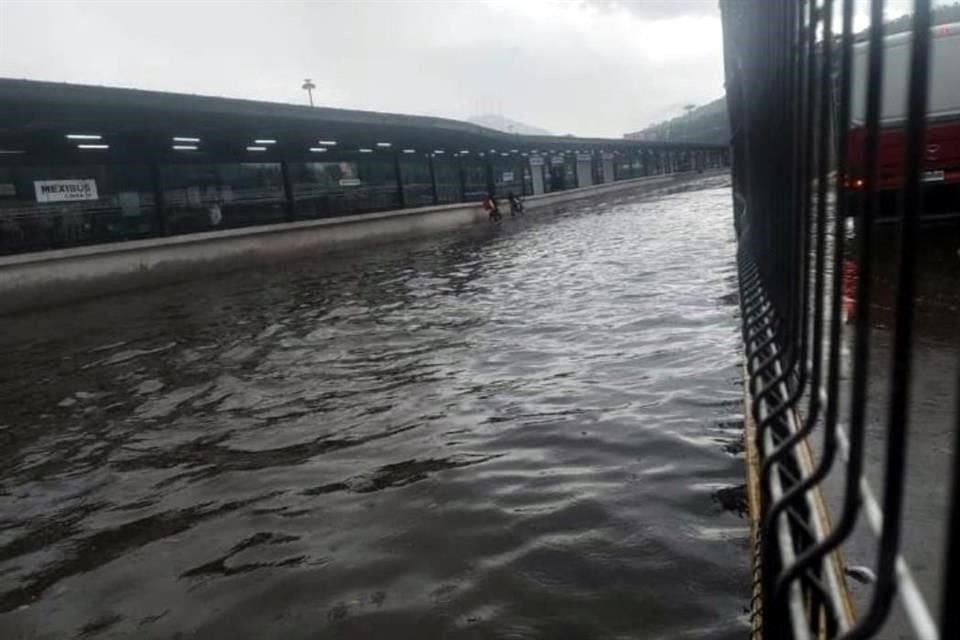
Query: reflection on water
(529, 431)
(930, 455)
(938, 276)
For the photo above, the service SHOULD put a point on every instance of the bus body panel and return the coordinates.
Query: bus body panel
(942, 140)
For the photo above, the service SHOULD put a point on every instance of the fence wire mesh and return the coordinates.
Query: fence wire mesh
(805, 91)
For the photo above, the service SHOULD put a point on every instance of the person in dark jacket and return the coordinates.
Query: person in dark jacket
(516, 204)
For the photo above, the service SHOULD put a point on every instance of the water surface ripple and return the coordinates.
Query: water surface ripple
(526, 431)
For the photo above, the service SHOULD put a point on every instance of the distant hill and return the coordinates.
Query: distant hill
(507, 125)
(708, 123)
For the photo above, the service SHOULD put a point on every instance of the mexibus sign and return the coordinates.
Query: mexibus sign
(61, 190)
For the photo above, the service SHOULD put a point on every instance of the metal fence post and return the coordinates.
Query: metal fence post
(162, 223)
(398, 172)
(433, 178)
(289, 207)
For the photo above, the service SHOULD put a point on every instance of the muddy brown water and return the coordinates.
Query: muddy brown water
(528, 431)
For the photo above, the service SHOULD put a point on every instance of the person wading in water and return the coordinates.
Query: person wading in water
(516, 204)
(490, 206)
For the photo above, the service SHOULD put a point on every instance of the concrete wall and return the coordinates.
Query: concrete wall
(533, 202)
(51, 277)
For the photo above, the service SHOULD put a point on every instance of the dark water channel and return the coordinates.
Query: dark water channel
(521, 432)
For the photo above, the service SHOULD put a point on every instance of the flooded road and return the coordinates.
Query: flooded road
(527, 431)
(930, 453)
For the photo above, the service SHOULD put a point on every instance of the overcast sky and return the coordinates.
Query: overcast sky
(587, 67)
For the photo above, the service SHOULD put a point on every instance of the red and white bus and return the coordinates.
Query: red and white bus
(942, 144)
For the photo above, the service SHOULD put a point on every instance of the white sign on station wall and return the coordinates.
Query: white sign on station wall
(62, 190)
(508, 176)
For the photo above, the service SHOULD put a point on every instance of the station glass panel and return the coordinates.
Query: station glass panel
(555, 174)
(338, 188)
(569, 172)
(507, 176)
(648, 164)
(474, 179)
(417, 183)
(448, 179)
(596, 166)
(46, 207)
(204, 197)
(320, 188)
(378, 190)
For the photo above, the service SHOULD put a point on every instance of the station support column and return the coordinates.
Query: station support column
(162, 223)
(288, 202)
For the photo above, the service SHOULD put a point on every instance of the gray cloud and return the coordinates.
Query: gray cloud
(556, 65)
(660, 9)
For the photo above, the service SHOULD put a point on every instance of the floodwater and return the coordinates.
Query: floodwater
(532, 430)
(931, 429)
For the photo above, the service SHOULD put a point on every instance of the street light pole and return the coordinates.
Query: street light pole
(308, 86)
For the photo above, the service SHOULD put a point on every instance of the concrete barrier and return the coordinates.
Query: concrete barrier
(62, 275)
(547, 199)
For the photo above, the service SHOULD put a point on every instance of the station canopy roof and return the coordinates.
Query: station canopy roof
(37, 117)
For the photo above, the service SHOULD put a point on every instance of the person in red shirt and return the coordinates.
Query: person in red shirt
(490, 206)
